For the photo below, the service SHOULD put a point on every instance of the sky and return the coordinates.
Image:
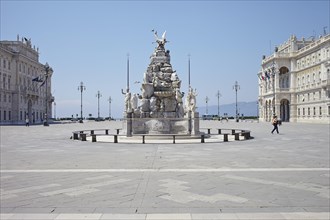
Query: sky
(88, 41)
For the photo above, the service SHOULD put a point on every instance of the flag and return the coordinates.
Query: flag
(267, 75)
(43, 82)
(37, 79)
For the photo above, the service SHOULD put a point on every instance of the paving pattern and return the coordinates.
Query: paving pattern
(47, 175)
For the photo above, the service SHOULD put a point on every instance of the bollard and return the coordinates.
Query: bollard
(225, 137)
(106, 131)
(236, 136)
(219, 131)
(202, 138)
(209, 131)
(115, 139)
(93, 137)
(173, 139)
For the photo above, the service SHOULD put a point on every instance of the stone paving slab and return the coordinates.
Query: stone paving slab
(46, 175)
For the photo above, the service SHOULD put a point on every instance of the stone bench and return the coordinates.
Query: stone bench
(246, 134)
(235, 132)
(160, 135)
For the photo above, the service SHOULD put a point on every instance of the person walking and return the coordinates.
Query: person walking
(275, 123)
(27, 122)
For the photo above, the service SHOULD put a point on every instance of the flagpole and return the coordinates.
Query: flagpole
(189, 71)
(127, 86)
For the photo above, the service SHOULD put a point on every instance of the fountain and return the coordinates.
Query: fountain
(159, 109)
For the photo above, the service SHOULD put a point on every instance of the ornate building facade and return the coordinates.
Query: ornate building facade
(294, 82)
(25, 84)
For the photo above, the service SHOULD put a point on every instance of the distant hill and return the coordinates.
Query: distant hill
(246, 108)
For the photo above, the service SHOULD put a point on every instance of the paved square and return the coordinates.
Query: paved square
(47, 175)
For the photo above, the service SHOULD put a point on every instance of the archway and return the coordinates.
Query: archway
(285, 110)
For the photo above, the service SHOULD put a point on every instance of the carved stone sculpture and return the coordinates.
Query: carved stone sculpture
(161, 108)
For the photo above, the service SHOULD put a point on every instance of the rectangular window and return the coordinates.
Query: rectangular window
(314, 111)
(320, 110)
(9, 115)
(21, 115)
(4, 115)
(303, 111)
(298, 111)
(308, 111)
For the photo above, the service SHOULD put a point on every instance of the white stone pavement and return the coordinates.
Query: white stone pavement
(47, 175)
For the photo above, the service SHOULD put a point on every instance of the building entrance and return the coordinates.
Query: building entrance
(285, 110)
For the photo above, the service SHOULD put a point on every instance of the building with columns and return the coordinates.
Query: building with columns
(294, 81)
(25, 84)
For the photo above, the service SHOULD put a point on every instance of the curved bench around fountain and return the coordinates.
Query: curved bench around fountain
(83, 135)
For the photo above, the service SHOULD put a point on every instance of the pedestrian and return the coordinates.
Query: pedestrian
(27, 122)
(275, 123)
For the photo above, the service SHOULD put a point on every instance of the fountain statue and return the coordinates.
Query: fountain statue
(159, 109)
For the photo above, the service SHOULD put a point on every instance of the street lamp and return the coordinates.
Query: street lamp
(109, 99)
(218, 95)
(236, 87)
(55, 110)
(273, 73)
(206, 101)
(81, 87)
(48, 71)
(98, 95)
(188, 72)
(258, 111)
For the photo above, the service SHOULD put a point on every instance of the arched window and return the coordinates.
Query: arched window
(284, 77)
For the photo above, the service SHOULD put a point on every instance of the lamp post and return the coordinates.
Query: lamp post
(206, 101)
(109, 99)
(188, 72)
(55, 110)
(81, 87)
(218, 95)
(273, 73)
(258, 111)
(98, 95)
(48, 71)
(236, 87)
